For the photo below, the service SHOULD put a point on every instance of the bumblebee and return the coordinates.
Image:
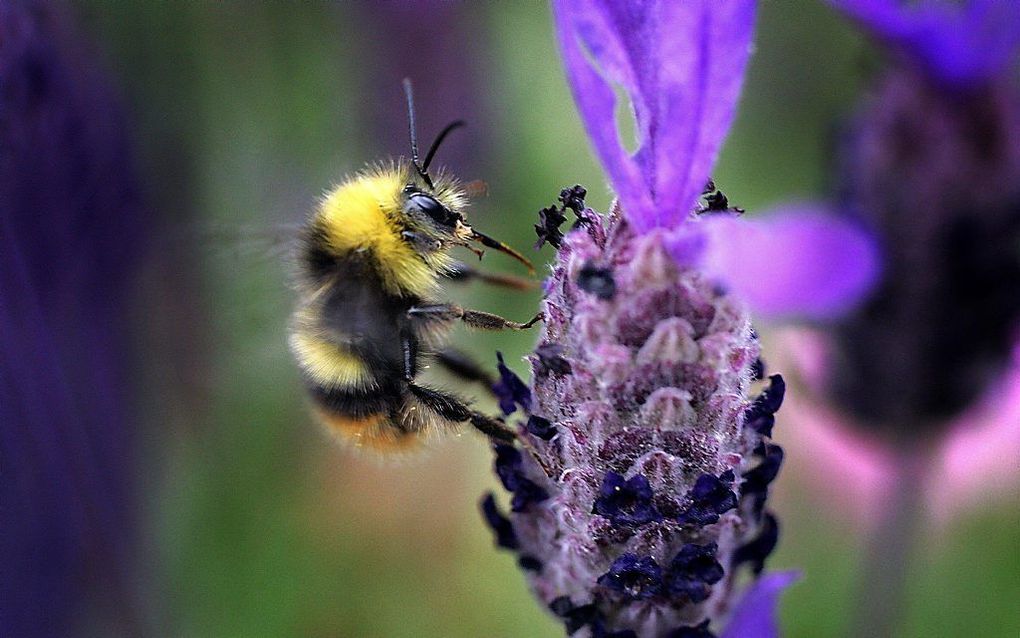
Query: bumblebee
(370, 312)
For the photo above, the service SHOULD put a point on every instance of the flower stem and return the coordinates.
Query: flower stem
(890, 548)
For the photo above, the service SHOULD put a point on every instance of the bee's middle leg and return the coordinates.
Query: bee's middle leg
(472, 318)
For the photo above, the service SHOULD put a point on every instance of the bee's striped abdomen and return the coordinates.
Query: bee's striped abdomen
(353, 400)
(363, 418)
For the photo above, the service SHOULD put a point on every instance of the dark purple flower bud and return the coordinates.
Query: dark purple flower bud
(548, 227)
(759, 422)
(597, 280)
(770, 399)
(944, 192)
(598, 630)
(573, 617)
(529, 563)
(500, 524)
(758, 370)
(693, 571)
(551, 218)
(550, 360)
(527, 492)
(930, 361)
(541, 427)
(758, 478)
(636, 577)
(627, 503)
(710, 497)
(509, 467)
(717, 201)
(510, 389)
(761, 547)
(573, 198)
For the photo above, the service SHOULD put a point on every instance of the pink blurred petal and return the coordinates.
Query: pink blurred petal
(809, 352)
(976, 462)
(979, 458)
(852, 473)
(801, 262)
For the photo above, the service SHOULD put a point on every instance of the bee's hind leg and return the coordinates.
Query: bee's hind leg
(453, 409)
(492, 428)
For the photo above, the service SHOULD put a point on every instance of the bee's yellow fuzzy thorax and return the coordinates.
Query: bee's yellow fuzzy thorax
(361, 216)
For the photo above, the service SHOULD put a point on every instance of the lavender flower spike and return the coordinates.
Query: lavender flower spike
(643, 494)
(641, 479)
(935, 346)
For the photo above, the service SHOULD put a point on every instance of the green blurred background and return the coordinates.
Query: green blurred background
(255, 523)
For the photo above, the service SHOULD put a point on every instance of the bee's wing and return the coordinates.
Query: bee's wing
(247, 241)
(249, 268)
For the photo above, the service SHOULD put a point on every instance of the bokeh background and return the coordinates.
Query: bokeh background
(252, 522)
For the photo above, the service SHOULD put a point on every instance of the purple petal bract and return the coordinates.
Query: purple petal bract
(682, 65)
(755, 615)
(798, 262)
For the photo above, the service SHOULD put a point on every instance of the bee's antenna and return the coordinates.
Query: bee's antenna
(439, 140)
(414, 136)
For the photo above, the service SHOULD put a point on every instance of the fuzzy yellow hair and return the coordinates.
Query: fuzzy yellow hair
(364, 214)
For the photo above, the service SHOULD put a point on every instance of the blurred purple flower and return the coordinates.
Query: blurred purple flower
(641, 488)
(934, 168)
(898, 388)
(958, 43)
(70, 235)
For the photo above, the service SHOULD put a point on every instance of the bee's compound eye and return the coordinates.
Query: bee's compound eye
(431, 207)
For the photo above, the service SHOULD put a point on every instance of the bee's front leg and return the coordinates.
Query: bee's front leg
(462, 272)
(421, 243)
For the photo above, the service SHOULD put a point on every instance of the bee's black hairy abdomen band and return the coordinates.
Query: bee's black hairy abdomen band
(354, 402)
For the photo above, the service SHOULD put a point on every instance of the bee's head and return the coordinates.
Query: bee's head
(430, 220)
(434, 224)
(427, 215)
